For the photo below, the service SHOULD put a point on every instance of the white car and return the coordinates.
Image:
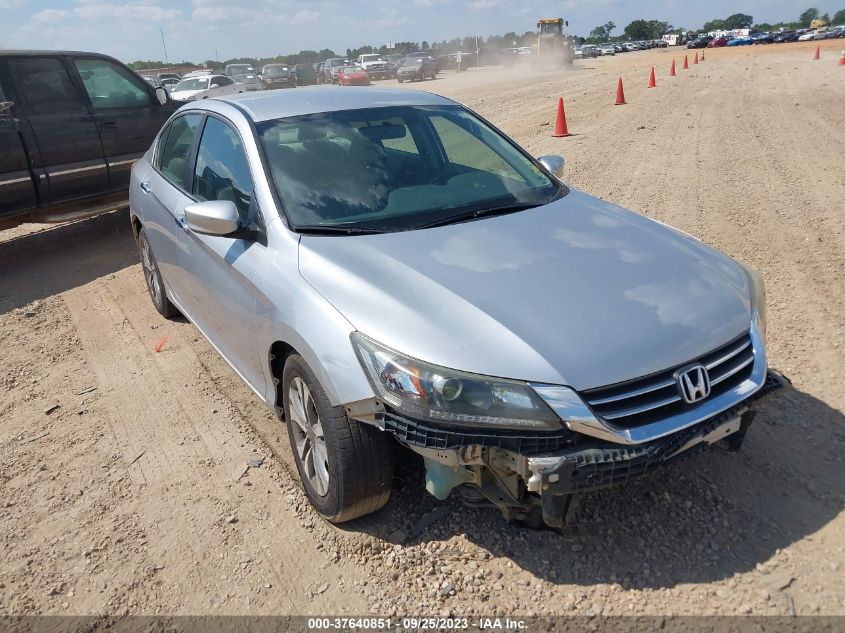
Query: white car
(205, 86)
(809, 35)
(608, 50)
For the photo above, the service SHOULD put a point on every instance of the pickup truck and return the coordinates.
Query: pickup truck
(71, 126)
(377, 67)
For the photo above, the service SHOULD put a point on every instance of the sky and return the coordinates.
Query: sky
(198, 30)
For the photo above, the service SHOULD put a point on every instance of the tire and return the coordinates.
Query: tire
(354, 474)
(399, 80)
(153, 278)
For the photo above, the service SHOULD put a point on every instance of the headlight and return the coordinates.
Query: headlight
(425, 391)
(758, 300)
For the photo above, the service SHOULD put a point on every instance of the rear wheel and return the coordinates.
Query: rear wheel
(153, 278)
(346, 467)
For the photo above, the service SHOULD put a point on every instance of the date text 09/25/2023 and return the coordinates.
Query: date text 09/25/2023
(415, 624)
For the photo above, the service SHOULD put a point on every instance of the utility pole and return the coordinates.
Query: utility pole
(164, 45)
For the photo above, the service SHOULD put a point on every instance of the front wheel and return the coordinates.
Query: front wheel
(346, 467)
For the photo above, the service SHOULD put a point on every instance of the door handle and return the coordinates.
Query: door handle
(182, 222)
(145, 187)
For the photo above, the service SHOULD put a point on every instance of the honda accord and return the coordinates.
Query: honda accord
(385, 266)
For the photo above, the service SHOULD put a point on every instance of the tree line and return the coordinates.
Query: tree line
(636, 30)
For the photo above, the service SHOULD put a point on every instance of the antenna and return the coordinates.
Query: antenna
(164, 44)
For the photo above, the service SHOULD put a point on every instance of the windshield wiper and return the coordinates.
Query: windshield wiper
(317, 229)
(478, 213)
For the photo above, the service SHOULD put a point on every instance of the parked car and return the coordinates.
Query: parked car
(318, 69)
(153, 81)
(376, 65)
(580, 344)
(277, 76)
(809, 35)
(305, 75)
(743, 40)
(416, 69)
(168, 80)
(243, 74)
(608, 49)
(786, 36)
(764, 38)
(331, 67)
(700, 42)
(353, 76)
(205, 86)
(718, 42)
(71, 125)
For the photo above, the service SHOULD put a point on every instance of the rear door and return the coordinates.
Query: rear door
(163, 196)
(17, 192)
(60, 132)
(127, 114)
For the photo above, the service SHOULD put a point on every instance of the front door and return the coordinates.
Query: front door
(222, 269)
(59, 130)
(127, 115)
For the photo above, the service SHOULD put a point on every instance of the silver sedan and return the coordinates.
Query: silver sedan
(386, 266)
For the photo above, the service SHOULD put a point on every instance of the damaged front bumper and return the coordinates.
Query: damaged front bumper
(539, 473)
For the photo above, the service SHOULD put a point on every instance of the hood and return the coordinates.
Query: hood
(183, 95)
(577, 292)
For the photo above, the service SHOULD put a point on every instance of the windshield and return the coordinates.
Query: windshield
(336, 62)
(371, 58)
(412, 62)
(239, 69)
(396, 168)
(276, 69)
(195, 83)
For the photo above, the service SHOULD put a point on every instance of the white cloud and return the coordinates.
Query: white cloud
(143, 12)
(303, 16)
(10, 4)
(50, 16)
(484, 4)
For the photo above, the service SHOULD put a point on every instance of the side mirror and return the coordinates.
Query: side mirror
(161, 95)
(214, 86)
(214, 217)
(554, 164)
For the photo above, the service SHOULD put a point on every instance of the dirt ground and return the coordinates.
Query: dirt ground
(136, 481)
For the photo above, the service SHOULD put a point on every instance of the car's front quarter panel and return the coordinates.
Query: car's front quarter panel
(291, 311)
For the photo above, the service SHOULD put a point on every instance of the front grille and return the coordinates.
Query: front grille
(656, 397)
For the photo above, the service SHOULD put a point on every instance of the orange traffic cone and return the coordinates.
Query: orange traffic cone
(672, 69)
(695, 60)
(686, 63)
(816, 56)
(620, 93)
(560, 124)
(842, 59)
(651, 82)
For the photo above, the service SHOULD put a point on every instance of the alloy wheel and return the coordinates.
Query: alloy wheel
(309, 436)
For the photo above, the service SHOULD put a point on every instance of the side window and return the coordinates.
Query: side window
(175, 147)
(111, 86)
(222, 171)
(46, 85)
(462, 148)
(223, 81)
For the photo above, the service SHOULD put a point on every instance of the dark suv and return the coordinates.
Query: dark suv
(71, 126)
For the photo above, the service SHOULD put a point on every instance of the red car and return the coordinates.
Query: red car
(718, 42)
(353, 76)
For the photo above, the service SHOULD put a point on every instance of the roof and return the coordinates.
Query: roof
(274, 104)
(45, 53)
